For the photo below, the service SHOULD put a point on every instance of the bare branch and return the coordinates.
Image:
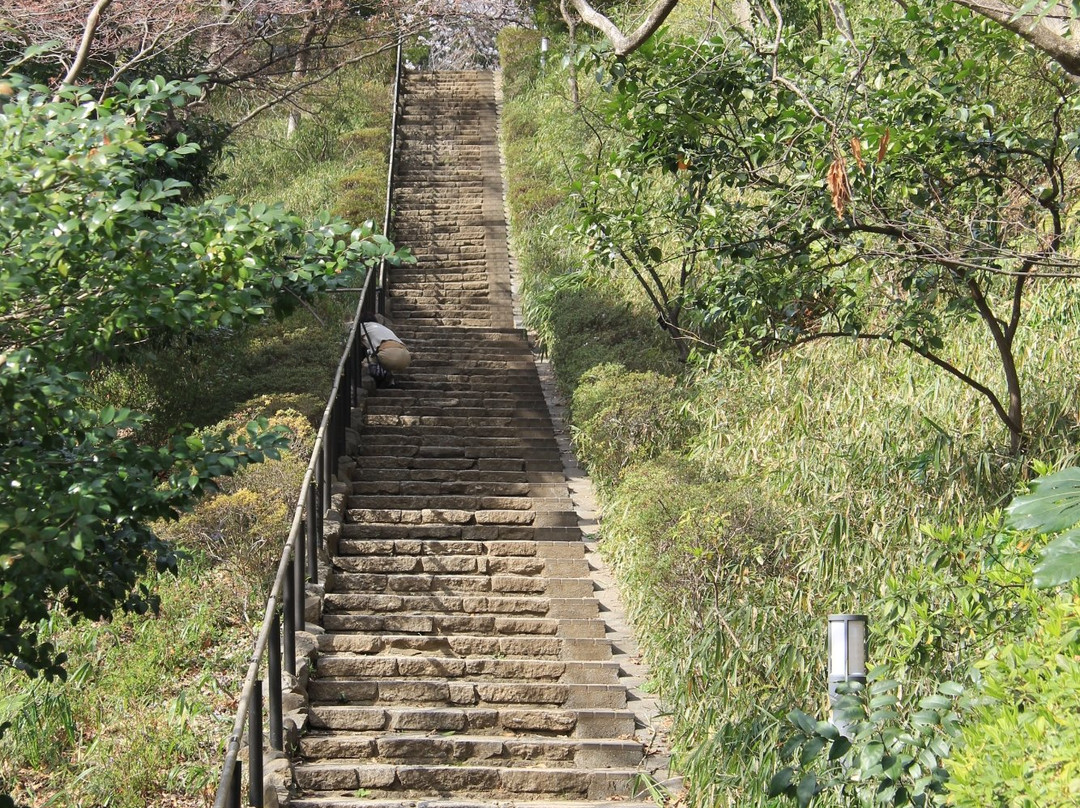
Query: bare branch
(624, 44)
(1033, 29)
(81, 55)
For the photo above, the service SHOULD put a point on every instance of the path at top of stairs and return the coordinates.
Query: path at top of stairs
(464, 658)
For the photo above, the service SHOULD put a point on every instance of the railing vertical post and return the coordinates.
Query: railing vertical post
(299, 590)
(357, 372)
(343, 422)
(328, 459)
(235, 789)
(288, 627)
(273, 677)
(321, 499)
(255, 746)
(311, 528)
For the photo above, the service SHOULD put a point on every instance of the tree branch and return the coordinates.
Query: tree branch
(81, 55)
(1031, 28)
(624, 44)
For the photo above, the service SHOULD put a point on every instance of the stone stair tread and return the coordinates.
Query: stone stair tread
(503, 670)
(463, 692)
(566, 722)
(349, 801)
(386, 779)
(495, 750)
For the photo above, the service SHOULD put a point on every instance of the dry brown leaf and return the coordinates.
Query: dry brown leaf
(837, 179)
(856, 150)
(883, 145)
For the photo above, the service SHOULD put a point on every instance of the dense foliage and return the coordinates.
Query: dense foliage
(99, 255)
(883, 187)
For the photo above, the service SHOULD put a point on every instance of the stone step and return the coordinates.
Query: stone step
(602, 672)
(494, 487)
(390, 467)
(456, 429)
(381, 781)
(481, 565)
(394, 516)
(435, 623)
(478, 720)
(465, 645)
(452, 539)
(444, 438)
(480, 750)
(457, 802)
(463, 502)
(408, 609)
(455, 411)
(442, 693)
(489, 458)
(449, 583)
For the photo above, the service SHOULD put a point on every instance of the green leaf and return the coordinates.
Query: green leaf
(826, 729)
(780, 781)
(811, 750)
(1052, 505)
(806, 790)
(1060, 561)
(802, 721)
(839, 748)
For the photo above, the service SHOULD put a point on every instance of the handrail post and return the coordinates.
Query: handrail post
(312, 516)
(299, 590)
(255, 746)
(273, 677)
(236, 789)
(288, 626)
(328, 459)
(321, 498)
(382, 281)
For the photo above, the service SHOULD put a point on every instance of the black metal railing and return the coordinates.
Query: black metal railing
(285, 606)
(382, 288)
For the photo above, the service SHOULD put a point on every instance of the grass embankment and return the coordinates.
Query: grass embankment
(150, 700)
(743, 502)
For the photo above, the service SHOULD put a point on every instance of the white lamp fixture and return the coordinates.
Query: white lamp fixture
(847, 654)
(545, 43)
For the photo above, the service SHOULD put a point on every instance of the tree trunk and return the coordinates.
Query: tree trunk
(300, 67)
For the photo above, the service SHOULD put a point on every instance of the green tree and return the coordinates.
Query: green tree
(98, 254)
(773, 190)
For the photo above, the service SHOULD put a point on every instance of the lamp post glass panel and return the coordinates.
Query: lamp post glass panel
(545, 43)
(847, 653)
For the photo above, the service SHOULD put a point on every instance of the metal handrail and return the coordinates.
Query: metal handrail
(276, 640)
(381, 289)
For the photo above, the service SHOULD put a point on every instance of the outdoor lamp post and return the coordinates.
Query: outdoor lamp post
(545, 43)
(847, 656)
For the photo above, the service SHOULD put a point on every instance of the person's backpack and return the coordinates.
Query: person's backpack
(382, 376)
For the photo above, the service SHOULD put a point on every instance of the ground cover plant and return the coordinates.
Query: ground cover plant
(777, 487)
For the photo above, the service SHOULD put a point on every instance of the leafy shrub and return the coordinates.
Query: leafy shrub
(622, 418)
(593, 327)
(681, 539)
(1020, 747)
(714, 586)
(246, 523)
(362, 194)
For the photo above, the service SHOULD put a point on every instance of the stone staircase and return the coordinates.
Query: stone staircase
(464, 658)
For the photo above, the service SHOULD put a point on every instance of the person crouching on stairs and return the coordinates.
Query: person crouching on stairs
(386, 353)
